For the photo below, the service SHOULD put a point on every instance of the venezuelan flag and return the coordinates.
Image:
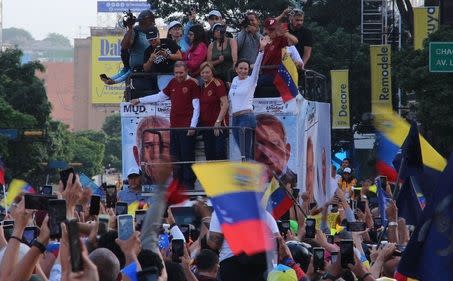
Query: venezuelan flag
(276, 200)
(15, 188)
(287, 79)
(394, 131)
(136, 205)
(234, 191)
(2, 173)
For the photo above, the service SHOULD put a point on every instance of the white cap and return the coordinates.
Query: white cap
(347, 170)
(133, 171)
(215, 13)
(173, 24)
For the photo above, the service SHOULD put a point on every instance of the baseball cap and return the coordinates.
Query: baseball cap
(347, 170)
(152, 33)
(282, 273)
(173, 24)
(214, 13)
(145, 14)
(133, 171)
(270, 23)
(217, 25)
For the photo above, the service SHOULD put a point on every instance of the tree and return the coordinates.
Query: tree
(112, 129)
(57, 40)
(17, 36)
(434, 91)
(88, 152)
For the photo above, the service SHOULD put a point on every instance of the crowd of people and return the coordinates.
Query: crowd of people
(308, 244)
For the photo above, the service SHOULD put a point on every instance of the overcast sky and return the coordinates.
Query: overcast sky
(41, 17)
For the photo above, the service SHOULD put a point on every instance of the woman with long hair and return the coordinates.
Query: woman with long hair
(213, 109)
(241, 98)
(222, 52)
(198, 50)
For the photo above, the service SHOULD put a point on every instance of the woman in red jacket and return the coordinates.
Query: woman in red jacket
(198, 50)
(213, 110)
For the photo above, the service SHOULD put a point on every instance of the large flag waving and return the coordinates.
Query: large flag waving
(429, 253)
(394, 130)
(234, 191)
(287, 79)
(15, 188)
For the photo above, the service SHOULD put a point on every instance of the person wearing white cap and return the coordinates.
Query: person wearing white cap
(133, 192)
(347, 182)
(214, 17)
(175, 33)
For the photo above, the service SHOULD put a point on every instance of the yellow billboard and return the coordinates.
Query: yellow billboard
(340, 99)
(106, 58)
(381, 75)
(426, 21)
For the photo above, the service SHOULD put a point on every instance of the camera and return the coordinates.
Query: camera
(192, 9)
(127, 18)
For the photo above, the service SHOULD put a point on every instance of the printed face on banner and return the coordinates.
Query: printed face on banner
(142, 141)
(275, 136)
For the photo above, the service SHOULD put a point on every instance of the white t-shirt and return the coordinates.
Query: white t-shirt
(241, 91)
(225, 251)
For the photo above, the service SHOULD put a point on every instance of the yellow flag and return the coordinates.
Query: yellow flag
(228, 177)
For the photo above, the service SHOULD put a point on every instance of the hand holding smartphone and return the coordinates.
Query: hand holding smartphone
(121, 208)
(346, 252)
(177, 250)
(75, 247)
(310, 228)
(95, 205)
(64, 176)
(318, 258)
(125, 226)
(57, 215)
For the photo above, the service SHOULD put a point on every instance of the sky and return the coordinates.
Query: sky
(71, 18)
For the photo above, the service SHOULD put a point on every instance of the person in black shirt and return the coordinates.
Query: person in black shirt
(296, 28)
(161, 55)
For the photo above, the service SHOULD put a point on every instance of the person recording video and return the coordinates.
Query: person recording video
(248, 39)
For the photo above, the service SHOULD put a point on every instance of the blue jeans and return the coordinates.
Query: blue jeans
(245, 138)
(215, 146)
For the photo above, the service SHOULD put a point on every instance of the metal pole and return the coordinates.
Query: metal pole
(1, 25)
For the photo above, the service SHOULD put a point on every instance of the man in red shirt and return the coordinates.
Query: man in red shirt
(273, 52)
(183, 92)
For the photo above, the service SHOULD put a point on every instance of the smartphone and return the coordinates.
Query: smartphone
(377, 222)
(37, 201)
(139, 217)
(185, 229)
(8, 231)
(46, 190)
(330, 239)
(125, 226)
(177, 249)
(95, 205)
(346, 252)
(310, 228)
(333, 257)
(148, 274)
(8, 222)
(283, 227)
(30, 234)
(361, 205)
(75, 247)
(121, 208)
(356, 226)
(318, 258)
(103, 224)
(57, 215)
(64, 175)
(383, 180)
(103, 76)
(184, 215)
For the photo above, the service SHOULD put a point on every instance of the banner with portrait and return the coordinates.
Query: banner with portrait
(315, 156)
(143, 139)
(276, 139)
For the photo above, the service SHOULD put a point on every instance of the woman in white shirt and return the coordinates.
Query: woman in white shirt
(241, 99)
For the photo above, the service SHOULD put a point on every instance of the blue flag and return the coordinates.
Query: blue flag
(410, 165)
(429, 253)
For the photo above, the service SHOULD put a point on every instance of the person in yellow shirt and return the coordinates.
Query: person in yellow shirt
(347, 182)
